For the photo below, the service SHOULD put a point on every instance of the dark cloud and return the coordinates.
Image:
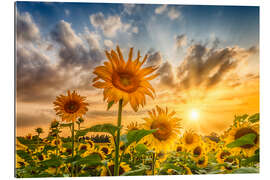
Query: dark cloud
(113, 113)
(26, 29)
(167, 75)
(207, 67)
(38, 80)
(36, 119)
(180, 40)
(74, 52)
(154, 59)
(36, 77)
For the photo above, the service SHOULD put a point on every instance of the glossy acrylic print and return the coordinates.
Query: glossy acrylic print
(136, 89)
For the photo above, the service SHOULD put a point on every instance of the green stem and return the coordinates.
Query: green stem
(109, 171)
(38, 140)
(153, 163)
(72, 146)
(72, 138)
(117, 142)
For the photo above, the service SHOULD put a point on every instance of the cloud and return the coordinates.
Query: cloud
(173, 14)
(128, 8)
(135, 30)
(204, 67)
(40, 80)
(108, 43)
(35, 119)
(161, 9)
(74, 52)
(110, 25)
(180, 41)
(167, 75)
(26, 29)
(92, 39)
(67, 12)
(36, 77)
(154, 59)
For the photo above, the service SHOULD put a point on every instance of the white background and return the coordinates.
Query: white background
(7, 88)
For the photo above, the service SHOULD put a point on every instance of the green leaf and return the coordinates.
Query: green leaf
(91, 160)
(136, 172)
(137, 135)
(123, 138)
(167, 166)
(66, 125)
(254, 118)
(51, 162)
(141, 148)
(27, 142)
(244, 140)
(244, 170)
(108, 128)
(110, 105)
(24, 155)
(218, 171)
(253, 159)
(240, 118)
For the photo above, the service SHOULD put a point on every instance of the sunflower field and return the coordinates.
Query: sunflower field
(158, 146)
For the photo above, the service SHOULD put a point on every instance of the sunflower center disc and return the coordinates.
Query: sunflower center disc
(224, 154)
(197, 151)
(83, 148)
(163, 130)
(105, 150)
(179, 149)
(125, 81)
(71, 107)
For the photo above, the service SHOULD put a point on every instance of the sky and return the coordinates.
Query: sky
(208, 59)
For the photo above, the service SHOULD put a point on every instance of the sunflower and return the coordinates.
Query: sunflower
(70, 107)
(222, 154)
(230, 164)
(40, 148)
(167, 129)
(56, 142)
(51, 170)
(20, 162)
(179, 148)
(187, 170)
(197, 152)
(241, 130)
(91, 143)
(190, 139)
(125, 80)
(95, 152)
(20, 146)
(203, 161)
(211, 145)
(122, 169)
(133, 126)
(172, 172)
(161, 157)
(105, 149)
(40, 157)
(84, 148)
(68, 151)
(28, 136)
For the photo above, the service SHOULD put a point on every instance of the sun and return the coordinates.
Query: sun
(194, 114)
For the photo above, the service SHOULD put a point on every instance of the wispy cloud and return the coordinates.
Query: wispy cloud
(110, 25)
(174, 14)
